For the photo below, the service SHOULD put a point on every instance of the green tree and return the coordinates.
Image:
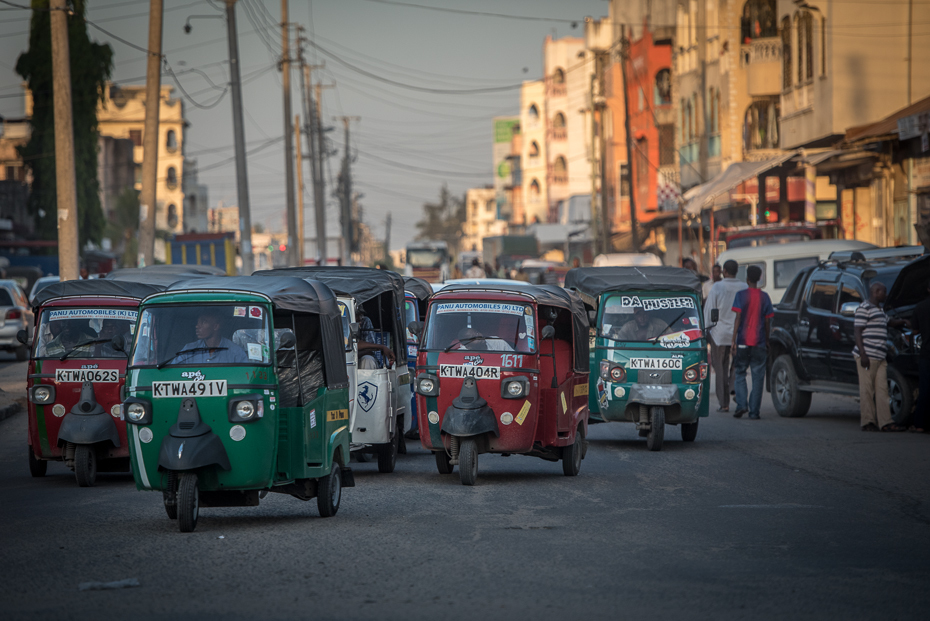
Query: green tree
(122, 229)
(443, 220)
(91, 64)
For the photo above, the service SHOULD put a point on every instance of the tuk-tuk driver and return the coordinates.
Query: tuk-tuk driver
(211, 346)
(642, 327)
(471, 338)
(72, 333)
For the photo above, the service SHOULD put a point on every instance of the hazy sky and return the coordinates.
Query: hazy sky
(408, 142)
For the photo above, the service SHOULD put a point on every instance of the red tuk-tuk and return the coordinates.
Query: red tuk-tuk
(503, 369)
(76, 375)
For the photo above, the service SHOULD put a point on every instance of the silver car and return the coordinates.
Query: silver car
(15, 315)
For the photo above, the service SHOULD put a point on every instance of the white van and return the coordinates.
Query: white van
(781, 262)
(627, 259)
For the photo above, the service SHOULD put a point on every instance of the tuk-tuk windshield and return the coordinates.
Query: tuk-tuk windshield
(83, 332)
(410, 314)
(482, 326)
(670, 320)
(215, 334)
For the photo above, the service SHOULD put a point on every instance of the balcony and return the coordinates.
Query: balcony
(761, 60)
(558, 134)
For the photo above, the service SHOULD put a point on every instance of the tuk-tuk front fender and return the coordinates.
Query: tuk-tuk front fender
(88, 429)
(654, 394)
(192, 453)
(469, 422)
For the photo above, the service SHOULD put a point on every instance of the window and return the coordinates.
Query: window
(560, 170)
(849, 294)
(807, 25)
(172, 216)
(760, 125)
(171, 141)
(490, 205)
(642, 172)
(640, 99)
(822, 296)
(823, 46)
(666, 145)
(624, 180)
(801, 46)
(534, 149)
(172, 178)
(533, 114)
(758, 20)
(786, 53)
(558, 120)
(136, 136)
(534, 191)
(558, 76)
(713, 100)
(689, 123)
(786, 270)
(663, 88)
(696, 118)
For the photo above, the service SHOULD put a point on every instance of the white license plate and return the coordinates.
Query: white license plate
(469, 370)
(87, 375)
(655, 364)
(211, 388)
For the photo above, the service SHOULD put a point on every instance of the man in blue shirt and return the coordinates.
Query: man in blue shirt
(211, 347)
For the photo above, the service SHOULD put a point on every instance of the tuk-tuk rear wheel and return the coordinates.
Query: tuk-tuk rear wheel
(37, 467)
(468, 461)
(329, 493)
(387, 455)
(85, 465)
(443, 462)
(571, 456)
(188, 506)
(656, 428)
(689, 431)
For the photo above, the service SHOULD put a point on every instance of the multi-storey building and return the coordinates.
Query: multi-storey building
(534, 147)
(481, 218)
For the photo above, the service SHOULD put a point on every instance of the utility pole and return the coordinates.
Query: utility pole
(292, 238)
(624, 56)
(319, 184)
(300, 193)
(345, 193)
(242, 174)
(387, 239)
(316, 169)
(66, 185)
(148, 204)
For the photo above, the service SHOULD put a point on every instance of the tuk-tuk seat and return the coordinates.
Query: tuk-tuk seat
(563, 351)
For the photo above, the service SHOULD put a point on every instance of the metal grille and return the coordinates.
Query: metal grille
(645, 376)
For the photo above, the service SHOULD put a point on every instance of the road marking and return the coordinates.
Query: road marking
(780, 506)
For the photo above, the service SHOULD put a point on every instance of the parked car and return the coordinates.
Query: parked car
(781, 262)
(813, 330)
(15, 315)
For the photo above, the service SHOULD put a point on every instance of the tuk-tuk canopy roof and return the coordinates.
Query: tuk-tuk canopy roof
(362, 283)
(95, 287)
(163, 275)
(292, 294)
(547, 295)
(591, 282)
(420, 289)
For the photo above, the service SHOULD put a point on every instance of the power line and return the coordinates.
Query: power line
(532, 18)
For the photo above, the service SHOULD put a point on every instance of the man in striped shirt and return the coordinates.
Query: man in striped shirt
(871, 326)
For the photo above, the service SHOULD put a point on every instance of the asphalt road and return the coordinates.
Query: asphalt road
(769, 519)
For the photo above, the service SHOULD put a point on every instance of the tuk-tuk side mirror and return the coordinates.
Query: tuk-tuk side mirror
(287, 340)
(353, 330)
(592, 317)
(415, 327)
(118, 343)
(23, 337)
(714, 315)
(548, 332)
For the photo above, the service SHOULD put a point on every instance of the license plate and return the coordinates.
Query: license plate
(469, 370)
(211, 388)
(87, 375)
(657, 364)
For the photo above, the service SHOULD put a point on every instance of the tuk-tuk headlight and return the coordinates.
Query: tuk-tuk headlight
(618, 374)
(135, 412)
(245, 409)
(515, 389)
(43, 394)
(427, 385)
(691, 374)
(605, 369)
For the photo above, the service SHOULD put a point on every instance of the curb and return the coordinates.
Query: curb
(10, 410)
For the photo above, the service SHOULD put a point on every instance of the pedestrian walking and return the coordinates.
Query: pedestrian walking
(921, 326)
(871, 327)
(475, 271)
(751, 328)
(721, 298)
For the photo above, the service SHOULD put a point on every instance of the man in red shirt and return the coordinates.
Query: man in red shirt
(754, 312)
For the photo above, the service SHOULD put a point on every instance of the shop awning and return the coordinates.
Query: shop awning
(699, 198)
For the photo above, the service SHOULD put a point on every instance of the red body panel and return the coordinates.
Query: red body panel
(43, 425)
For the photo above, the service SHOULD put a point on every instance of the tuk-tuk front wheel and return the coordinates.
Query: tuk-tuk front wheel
(329, 493)
(443, 462)
(387, 455)
(188, 502)
(656, 428)
(22, 354)
(571, 456)
(468, 461)
(689, 431)
(37, 467)
(85, 465)
(170, 496)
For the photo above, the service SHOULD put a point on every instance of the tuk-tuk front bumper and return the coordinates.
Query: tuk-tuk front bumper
(622, 403)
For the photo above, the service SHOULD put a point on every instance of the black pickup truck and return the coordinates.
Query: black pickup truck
(813, 330)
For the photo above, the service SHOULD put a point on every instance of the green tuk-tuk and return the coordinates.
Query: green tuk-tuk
(237, 387)
(647, 347)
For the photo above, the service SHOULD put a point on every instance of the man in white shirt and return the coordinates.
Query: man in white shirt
(475, 271)
(721, 336)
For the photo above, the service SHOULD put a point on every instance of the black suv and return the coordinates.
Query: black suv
(813, 330)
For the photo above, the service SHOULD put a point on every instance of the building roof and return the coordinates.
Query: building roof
(887, 126)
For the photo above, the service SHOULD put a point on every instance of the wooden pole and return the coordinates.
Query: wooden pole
(293, 235)
(148, 199)
(300, 193)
